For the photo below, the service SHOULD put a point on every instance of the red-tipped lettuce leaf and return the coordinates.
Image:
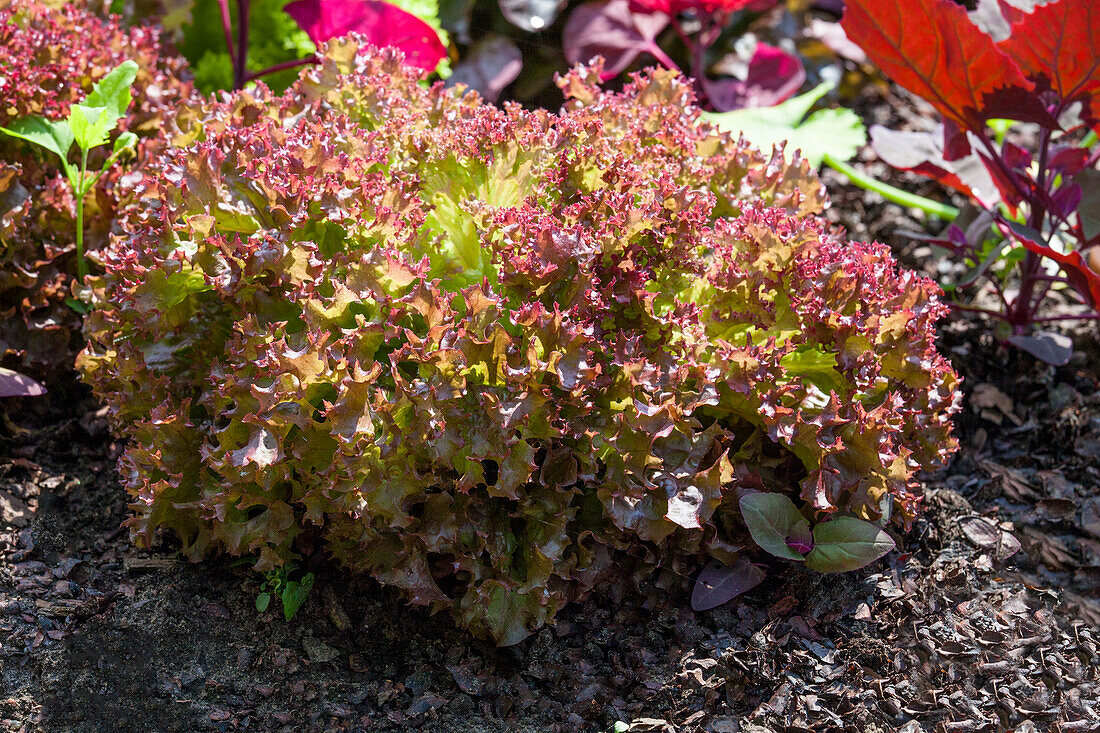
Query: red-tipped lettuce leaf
(382, 24)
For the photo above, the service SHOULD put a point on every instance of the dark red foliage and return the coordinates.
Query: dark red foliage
(932, 48)
(1047, 72)
(674, 7)
(381, 23)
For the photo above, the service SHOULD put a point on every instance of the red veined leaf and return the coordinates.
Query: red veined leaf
(922, 152)
(1083, 278)
(380, 23)
(1058, 47)
(932, 48)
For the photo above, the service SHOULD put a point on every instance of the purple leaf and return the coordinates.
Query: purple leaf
(773, 76)
(489, 67)
(608, 28)
(922, 152)
(13, 384)
(718, 583)
(380, 23)
(1053, 348)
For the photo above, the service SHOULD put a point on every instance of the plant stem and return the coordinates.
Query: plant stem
(888, 192)
(284, 65)
(81, 265)
(972, 309)
(1089, 139)
(658, 53)
(227, 29)
(1082, 317)
(240, 62)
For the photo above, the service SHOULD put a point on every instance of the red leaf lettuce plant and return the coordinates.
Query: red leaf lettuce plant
(494, 357)
(1040, 199)
(50, 60)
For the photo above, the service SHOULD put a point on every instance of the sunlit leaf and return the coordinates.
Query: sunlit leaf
(847, 543)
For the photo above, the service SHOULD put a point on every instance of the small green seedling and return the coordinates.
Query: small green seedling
(834, 546)
(292, 593)
(89, 125)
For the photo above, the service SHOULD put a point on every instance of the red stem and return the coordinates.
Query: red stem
(227, 28)
(282, 66)
(1082, 317)
(972, 309)
(240, 63)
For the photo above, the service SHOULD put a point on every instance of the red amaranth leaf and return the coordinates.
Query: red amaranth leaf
(773, 77)
(1084, 279)
(922, 152)
(719, 583)
(1058, 47)
(933, 49)
(381, 23)
(13, 384)
(609, 28)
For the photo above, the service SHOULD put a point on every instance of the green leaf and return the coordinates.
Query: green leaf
(57, 137)
(294, 594)
(771, 519)
(113, 91)
(817, 366)
(78, 305)
(835, 132)
(90, 125)
(94, 119)
(263, 601)
(847, 543)
(125, 141)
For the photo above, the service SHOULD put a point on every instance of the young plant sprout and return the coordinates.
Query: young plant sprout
(89, 125)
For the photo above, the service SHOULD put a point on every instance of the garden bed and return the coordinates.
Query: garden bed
(953, 633)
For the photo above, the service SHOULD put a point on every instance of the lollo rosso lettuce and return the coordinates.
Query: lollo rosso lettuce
(50, 58)
(493, 356)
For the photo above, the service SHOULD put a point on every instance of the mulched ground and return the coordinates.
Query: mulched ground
(986, 621)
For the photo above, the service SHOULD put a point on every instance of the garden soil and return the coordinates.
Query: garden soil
(987, 619)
